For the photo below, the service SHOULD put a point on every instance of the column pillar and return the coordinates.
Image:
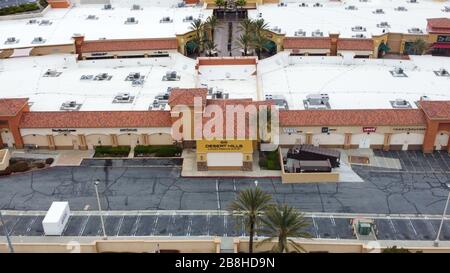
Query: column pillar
(144, 138)
(82, 141)
(387, 141)
(430, 136)
(348, 140)
(114, 140)
(51, 142)
(448, 144)
(1, 140)
(308, 138)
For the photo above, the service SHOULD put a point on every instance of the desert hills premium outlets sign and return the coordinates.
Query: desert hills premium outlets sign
(224, 146)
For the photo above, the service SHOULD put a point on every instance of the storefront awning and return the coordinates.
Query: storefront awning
(441, 45)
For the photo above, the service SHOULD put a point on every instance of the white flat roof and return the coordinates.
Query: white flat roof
(110, 24)
(335, 18)
(354, 84)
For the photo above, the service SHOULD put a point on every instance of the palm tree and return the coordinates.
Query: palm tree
(260, 26)
(246, 26)
(251, 203)
(212, 23)
(259, 43)
(284, 223)
(198, 27)
(211, 48)
(419, 46)
(245, 42)
(220, 3)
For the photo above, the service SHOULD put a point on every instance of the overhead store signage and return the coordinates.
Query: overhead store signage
(443, 39)
(128, 130)
(224, 146)
(63, 130)
(369, 129)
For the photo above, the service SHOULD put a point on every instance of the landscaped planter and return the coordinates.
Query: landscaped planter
(157, 151)
(106, 151)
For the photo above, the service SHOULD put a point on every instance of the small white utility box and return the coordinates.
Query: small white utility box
(56, 218)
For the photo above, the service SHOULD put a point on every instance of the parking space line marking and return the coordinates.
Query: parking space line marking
(315, 227)
(207, 224)
(155, 225)
(189, 227)
(84, 226)
(412, 164)
(411, 224)
(136, 225)
(31, 224)
(445, 162)
(225, 225)
(217, 194)
(119, 225)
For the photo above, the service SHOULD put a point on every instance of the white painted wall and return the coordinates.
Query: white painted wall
(441, 140)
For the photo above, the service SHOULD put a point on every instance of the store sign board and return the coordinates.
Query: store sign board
(369, 129)
(224, 146)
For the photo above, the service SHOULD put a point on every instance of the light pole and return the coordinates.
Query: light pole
(97, 181)
(436, 242)
(5, 230)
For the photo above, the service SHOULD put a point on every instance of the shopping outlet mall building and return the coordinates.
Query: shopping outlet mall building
(83, 85)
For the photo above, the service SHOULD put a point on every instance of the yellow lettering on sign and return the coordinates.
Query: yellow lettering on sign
(221, 146)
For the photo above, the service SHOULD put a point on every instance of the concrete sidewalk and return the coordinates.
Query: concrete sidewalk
(190, 168)
(62, 157)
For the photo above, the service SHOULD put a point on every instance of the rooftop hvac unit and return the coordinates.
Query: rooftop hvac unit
(11, 40)
(363, 1)
(45, 23)
(70, 106)
(383, 24)
(358, 28)
(133, 76)
(378, 11)
(181, 4)
(446, 9)
(442, 72)
(317, 33)
(137, 82)
(86, 77)
(401, 8)
(91, 17)
(415, 30)
(52, 73)
(131, 20)
(424, 98)
(400, 103)
(136, 7)
(282, 4)
(166, 20)
(303, 5)
(107, 7)
(171, 76)
(38, 40)
(351, 7)
(413, 1)
(162, 97)
(103, 77)
(32, 21)
(359, 35)
(317, 5)
(123, 98)
(300, 33)
(189, 18)
(317, 99)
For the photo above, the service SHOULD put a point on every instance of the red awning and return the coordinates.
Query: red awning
(441, 45)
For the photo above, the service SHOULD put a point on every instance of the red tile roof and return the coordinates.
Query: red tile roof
(185, 96)
(307, 43)
(436, 109)
(10, 107)
(381, 117)
(355, 44)
(129, 45)
(96, 119)
(439, 25)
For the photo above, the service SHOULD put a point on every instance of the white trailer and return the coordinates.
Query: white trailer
(56, 218)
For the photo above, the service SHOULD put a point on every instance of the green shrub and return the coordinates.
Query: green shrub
(39, 165)
(49, 161)
(158, 151)
(105, 151)
(21, 166)
(271, 160)
(6, 171)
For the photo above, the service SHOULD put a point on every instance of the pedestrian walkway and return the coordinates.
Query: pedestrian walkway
(190, 168)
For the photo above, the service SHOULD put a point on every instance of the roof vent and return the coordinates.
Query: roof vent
(11, 40)
(442, 72)
(38, 40)
(276, 29)
(162, 97)
(282, 4)
(70, 106)
(32, 21)
(398, 72)
(136, 7)
(317, 33)
(166, 20)
(300, 33)
(400, 103)
(181, 5)
(412, 1)
(401, 8)
(171, 76)
(378, 11)
(317, 101)
(358, 28)
(123, 98)
(415, 30)
(103, 77)
(107, 7)
(304, 5)
(446, 9)
(351, 7)
(91, 17)
(131, 21)
(317, 5)
(383, 25)
(45, 23)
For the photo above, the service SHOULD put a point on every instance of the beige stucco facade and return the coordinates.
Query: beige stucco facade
(5, 155)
